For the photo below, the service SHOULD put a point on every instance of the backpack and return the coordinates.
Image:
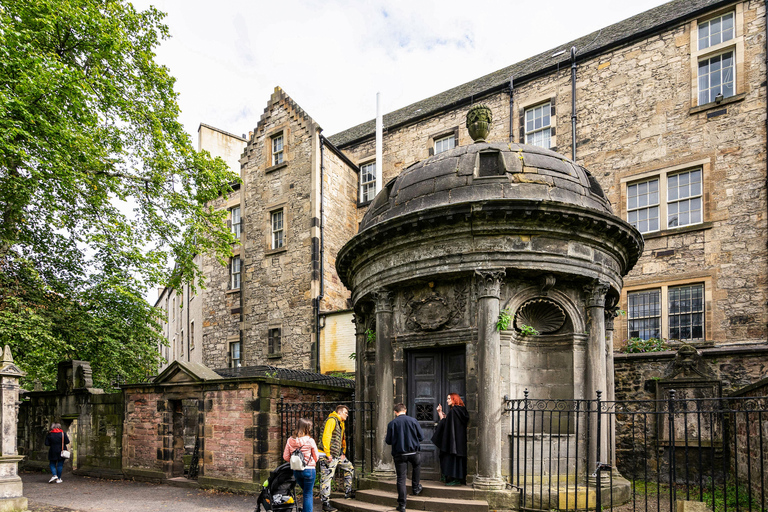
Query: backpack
(297, 460)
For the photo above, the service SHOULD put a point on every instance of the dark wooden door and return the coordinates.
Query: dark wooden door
(431, 376)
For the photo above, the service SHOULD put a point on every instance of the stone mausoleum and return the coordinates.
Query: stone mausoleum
(449, 245)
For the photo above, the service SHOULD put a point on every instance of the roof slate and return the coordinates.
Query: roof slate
(636, 27)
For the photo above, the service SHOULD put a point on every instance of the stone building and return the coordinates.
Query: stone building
(666, 109)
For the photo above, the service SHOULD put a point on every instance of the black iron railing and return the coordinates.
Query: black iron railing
(359, 427)
(713, 450)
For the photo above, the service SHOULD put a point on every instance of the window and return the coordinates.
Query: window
(277, 229)
(182, 342)
(277, 149)
(643, 205)
(684, 308)
(234, 273)
(684, 199)
(191, 335)
(445, 143)
(644, 314)
(538, 130)
(235, 354)
(716, 78)
(273, 342)
(686, 312)
(236, 221)
(716, 31)
(666, 201)
(367, 182)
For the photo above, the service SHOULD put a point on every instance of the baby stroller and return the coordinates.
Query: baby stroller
(279, 491)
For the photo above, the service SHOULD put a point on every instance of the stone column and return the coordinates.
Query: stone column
(359, 322)
(10, 483)
(385, 383)
(611, 312)
(489, 406)
(596, 369)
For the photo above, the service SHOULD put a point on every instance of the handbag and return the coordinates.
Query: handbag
(64, 453)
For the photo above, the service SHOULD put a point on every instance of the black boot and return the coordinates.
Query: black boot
(327, 507)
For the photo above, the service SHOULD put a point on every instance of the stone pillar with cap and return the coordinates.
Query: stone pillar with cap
(489, 406)
(385, 383)
(10, 483)
(595, 294)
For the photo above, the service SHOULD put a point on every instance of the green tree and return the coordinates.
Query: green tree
(100, 187)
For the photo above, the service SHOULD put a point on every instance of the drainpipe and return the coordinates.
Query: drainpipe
(573, 103)
(322, 258)
(512, 102)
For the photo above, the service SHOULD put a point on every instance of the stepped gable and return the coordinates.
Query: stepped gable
(624, 32)
(280, 97)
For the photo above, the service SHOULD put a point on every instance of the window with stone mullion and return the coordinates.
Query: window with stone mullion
(684, 199)
(273, 342)
(644, 314)
(686, 312)
(643, 205)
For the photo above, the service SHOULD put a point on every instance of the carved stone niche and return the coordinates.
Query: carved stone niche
(435, 310)
(544, 315)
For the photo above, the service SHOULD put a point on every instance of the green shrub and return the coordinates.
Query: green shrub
(639, 345)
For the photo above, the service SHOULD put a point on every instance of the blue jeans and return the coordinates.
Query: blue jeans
(57, 467)
(306, 480)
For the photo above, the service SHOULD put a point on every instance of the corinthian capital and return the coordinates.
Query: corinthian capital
(489, 282)
(595, 294)
(384, 300)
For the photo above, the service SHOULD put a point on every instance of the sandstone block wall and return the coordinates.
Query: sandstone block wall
(277, 282)
(142, 432)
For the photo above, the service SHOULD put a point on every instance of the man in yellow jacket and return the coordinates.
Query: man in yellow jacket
(333, 447)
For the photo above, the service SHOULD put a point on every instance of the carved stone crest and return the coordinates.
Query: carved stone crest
(435, 311)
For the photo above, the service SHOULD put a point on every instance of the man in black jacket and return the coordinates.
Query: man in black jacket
(404, 434)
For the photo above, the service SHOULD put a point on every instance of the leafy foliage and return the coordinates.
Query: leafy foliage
(370, 336)
(504, 321)
(100, 187)
(638, 345)
(528, 330)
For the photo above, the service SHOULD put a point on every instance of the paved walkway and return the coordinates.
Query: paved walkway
(84, 494)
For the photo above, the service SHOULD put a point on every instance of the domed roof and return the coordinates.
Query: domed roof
(484, 172)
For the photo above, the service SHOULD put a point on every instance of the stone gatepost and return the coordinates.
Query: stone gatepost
(611, 312)
(10, 483)
(489, 380)
(384, 467)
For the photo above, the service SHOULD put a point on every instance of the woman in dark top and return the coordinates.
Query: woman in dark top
(57, 441)
(451, 439)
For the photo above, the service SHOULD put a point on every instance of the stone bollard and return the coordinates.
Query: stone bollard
(11, 490)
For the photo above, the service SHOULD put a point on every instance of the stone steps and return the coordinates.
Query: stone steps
(381, 496)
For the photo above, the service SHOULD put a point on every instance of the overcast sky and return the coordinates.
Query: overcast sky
(332, 56)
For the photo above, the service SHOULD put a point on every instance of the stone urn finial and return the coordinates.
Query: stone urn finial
(479, 119)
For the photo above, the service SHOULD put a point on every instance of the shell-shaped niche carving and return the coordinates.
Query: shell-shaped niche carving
(543, 315)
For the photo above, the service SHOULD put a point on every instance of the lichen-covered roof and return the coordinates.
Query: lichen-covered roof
(522, 172)
(636, 27)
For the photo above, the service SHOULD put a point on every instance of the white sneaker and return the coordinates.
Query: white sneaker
(53, 479)
(58, 481)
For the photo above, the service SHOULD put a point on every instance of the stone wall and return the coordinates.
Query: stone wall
(277, 283)
(220, 303)
(142, 440)
(752, 439)
(92, 420)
